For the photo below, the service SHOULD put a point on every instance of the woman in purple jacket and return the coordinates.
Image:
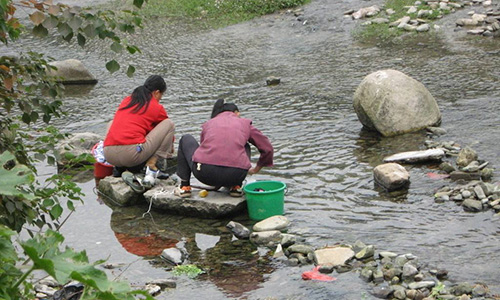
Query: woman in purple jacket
(223, 156)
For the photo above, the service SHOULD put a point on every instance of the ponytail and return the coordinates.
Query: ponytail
(220, 106)
(141, 96)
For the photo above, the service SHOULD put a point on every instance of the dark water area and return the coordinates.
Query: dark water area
(321, 151)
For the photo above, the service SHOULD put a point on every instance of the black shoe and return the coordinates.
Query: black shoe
(117, 171)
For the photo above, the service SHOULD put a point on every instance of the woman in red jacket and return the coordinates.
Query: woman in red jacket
(223, 156)
(141, 131)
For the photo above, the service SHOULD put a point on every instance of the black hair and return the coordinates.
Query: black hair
(220, 106)
(142, 94)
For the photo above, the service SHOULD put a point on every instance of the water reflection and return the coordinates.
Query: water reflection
(234, 266)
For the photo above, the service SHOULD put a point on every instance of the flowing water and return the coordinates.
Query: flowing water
(321, 151)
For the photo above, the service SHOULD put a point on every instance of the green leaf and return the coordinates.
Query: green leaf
(26, 118)
(37, 17)
(112, 66)
(56, 211)
(130, 71)
(64, 29)
(40, 31)
(138, 3)
(75, 23)
(81, 40)
(90, 31)
(116, 47)
(71, 206)
(14, 176)
(34, 116)
(50, 22)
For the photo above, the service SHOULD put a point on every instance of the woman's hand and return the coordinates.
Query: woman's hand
(254, 170)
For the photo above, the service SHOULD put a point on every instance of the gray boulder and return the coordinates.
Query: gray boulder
(393, 103)
(75, 145)
(72, 71)
(335, 256)
(391, 176)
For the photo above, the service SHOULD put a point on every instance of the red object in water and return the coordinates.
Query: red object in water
(150, 245)
(316, 275)
(437, 176)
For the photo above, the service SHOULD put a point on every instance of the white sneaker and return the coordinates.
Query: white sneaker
(149, 178)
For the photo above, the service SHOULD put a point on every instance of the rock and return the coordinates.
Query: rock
(336, 256)
(164, 283)
(299, 248)
(466, 156)
(423, 28)
(399, 292)
(272, 80)
(479, 290)
(287, 240)
(459, 175)
(466, 194)
(278, 252)
(214, 205)
(47, 290)
(393, 103)
(391, 176)
(409, 271)
(378, 276)
(382, 292)
(152, 289)
(421, 285)
(72, 71)
(239, 231)
(173, 255)
(380, 21)
(272, 223)
(266, 238)
(366, 12)
(461, 288)
(478, 190)
(472, 205)
(486, 173)
(472, 167)
(366, 252)
(366, 274)
(75, 145)
(384, 254)
(403, 21)
(436, 130)
(326, 269)
(416, 156)
(115, 192)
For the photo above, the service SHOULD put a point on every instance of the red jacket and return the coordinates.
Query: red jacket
(223, 140)
(131, 128)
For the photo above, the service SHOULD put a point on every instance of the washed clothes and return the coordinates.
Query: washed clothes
(223, 140)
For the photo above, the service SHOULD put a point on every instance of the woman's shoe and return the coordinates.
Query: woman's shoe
(236, 191)
(183, 191)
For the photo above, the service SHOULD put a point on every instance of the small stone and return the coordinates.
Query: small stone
(466, 156)
(472, 205)
(153, 289)
(421, 285)
(173, 255)
(409, 271)
(419, 277)
(466, 194)
(447, 167)
(366, 274)
(288, 239)
(272, 223)
(164, 283)
(326, 269)
(382, 292)
(272, 80)
(384, 254)
(479, 290)
(367, 252)
(391, 176)
(478, 190)
(239, 231)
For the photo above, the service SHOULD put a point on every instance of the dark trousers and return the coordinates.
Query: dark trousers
(208, 174)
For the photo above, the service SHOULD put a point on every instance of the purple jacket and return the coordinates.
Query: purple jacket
(223, 140)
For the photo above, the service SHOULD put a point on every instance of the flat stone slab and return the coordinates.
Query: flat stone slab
(416, 156)
(335, 256)
(115, 192)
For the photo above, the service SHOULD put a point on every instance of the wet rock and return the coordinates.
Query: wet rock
(239, 231)
(466, 156)
(335, 256)
(409, 271)
(391, 176)
(366, 12)
(278, 252)
(421, 285)
(466, 194)
(287, 240)
(266, 238)
(358, 246)
(459, 175)
(394, 93)
(382, 292)
(272, 223)
(173, 255)
(416, 156)
(464, 297)
(461, 288)
(436, 130)
(478, 190)
(419, 277)
(299, 248)
(384, 254)
(366, 252)
(49, 281)
(47, 290)
(153, 289)
(472, 205)
(486, 173)
(71, 71)
(447, 167)
(272, 80)
(366, 274)
(326, 269)
(399, 292)
(378, 276)
(164, 283)
(75, 145)
(479, 290)
(115, 192)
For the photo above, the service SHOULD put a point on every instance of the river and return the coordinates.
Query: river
(321, 151)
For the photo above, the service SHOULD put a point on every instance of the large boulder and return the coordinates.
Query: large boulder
(393, 103)
(75, 145)
(72, 71)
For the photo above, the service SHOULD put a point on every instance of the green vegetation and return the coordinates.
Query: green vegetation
(190, 271)
(216, 13)
(436, 291)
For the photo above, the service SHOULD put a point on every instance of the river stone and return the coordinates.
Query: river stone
(393, 103)
(266, 238)
(391, 176)
(378, 276)
(382, 292)
(472, 205)
(272, 223)
(336, 256)
(366, 252)
(421, 285)
(272, 80)
(75, 145)
(409, 271)
(173, 255)
(447, 167)
(366, 12)
(479, 290)
(461, 288)
(287, 240)
(384, 254)
(416, 156)
(459, 175)
(423, 28)
(299, 248)
(72, 71)
(478, 190)
(164, 283)
(472, 167)
(399, 292)
(239, 231)
(366, 274)
(115, 192)
(214, 205)
(466, 156)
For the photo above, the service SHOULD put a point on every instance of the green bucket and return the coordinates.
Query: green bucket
(265, 199)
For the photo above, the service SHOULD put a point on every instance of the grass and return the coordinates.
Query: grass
(383, 34)
(216, 13)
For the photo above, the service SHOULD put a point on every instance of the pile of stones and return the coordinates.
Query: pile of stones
(391, 275)
(487, 24)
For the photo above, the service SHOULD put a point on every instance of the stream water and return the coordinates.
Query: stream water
(321, 151)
